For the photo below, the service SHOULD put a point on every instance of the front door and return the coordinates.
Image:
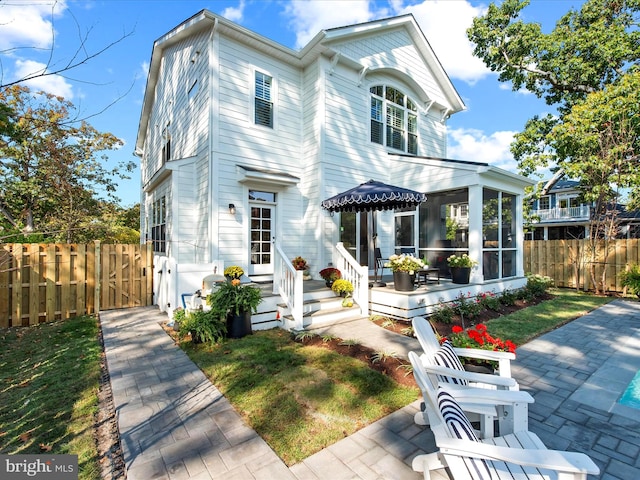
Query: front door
(263, 223)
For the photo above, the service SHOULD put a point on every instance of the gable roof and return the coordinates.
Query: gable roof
(321, 44)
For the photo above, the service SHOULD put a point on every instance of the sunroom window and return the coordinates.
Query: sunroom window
(394, 119)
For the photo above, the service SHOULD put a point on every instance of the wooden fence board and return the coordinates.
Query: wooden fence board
(5, 291)
(46, 282)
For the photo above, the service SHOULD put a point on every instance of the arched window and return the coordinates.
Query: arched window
(394, 119)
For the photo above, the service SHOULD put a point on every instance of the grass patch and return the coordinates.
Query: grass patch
(300, 399)
(529, 323)
(49, 381)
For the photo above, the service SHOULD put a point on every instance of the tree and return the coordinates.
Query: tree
(50, 166)
(587, 68)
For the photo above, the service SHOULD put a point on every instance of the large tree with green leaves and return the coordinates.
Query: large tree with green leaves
(52, 168)
(587, 69)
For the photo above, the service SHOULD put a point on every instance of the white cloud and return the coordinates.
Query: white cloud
(235, 14)
(309, 18)
(477, 146)
(445, 24)
(54, 84)
(27, 24)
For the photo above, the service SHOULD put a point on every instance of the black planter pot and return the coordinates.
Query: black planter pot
(460, 274)
(239, 326)
(403, 281)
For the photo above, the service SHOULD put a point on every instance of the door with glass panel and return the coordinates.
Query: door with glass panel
(263, 213)
(355, 235)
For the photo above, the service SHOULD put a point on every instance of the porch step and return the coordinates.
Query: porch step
(327, 316)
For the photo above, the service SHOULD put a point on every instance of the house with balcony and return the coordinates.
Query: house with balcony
(241, 139)
(561, 215)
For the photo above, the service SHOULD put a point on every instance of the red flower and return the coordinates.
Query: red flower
(456, 329)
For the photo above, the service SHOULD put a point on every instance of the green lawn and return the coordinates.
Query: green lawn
(49, 380)
(299, 398)
(524, 325)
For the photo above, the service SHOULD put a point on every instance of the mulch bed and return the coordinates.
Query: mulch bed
(390, 366)
(444, 329)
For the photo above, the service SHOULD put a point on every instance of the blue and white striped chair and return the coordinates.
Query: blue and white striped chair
(520, 454)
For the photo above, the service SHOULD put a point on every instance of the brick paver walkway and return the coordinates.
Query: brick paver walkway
(175, 424)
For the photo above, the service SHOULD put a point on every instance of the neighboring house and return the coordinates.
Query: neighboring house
(241, 138)
(560, 215)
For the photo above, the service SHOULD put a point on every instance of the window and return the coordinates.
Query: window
(394, 119)
(263, 100)
(193, 90)
(159, 225)
(498, 234)
(166, 145)
(544, 203)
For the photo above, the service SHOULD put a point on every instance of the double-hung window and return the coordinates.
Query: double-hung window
(159, 225)
(263, 113)
(394, 119)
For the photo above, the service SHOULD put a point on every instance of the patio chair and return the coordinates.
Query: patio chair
(518, 455)
(430, 344)
(485, 397)
(379, 263)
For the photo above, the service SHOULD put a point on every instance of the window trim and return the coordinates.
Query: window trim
(410, 138)
(273, 96)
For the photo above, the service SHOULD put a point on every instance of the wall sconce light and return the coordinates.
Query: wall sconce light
(232, 209)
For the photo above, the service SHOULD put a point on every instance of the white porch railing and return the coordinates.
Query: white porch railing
(571, 213)
(288, 283)
(357, 274)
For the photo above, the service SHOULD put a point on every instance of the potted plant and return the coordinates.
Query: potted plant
(234, 271)
(342, 287)
(478, 337)
(330, 275)
(235, 302)
(460, 266)
(404, 268)
(630, 279)
(301, 264)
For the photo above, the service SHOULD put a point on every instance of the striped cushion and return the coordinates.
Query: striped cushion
(446, 357)
(460, 427)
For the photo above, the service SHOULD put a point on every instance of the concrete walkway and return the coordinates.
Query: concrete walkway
(174, 424)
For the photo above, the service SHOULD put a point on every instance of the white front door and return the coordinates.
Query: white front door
(262, 232)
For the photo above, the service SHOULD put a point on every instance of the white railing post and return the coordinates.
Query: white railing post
(288, 283)
(357, 274)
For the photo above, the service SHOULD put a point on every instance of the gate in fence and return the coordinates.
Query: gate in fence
(46, 282)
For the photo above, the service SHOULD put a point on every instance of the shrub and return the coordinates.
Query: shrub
(630, 278)
(537, 284)
(508, 297)
(204, 326)
(489, 300)
(466, 306)
(443, 313)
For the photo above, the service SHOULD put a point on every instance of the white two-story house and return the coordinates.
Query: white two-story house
(241, 139)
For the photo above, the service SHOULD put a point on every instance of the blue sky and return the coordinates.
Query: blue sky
(109, 88)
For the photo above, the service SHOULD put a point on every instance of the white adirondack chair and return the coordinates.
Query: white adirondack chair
(520, 455)
(508, 405)
(430, 344)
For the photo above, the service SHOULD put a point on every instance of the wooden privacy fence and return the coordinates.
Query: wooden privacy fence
(567, 262)
(46, 282)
